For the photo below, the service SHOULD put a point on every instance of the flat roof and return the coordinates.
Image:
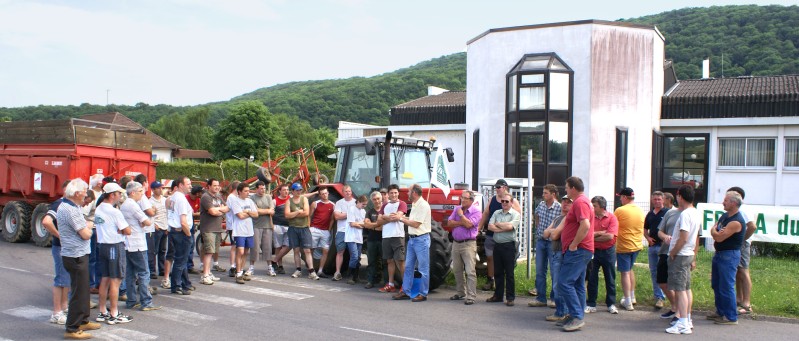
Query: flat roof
(565, 23)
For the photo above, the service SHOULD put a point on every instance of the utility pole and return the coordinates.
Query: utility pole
(107, 91)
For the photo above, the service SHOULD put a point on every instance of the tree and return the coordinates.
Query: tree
(189, 130)
(246, 131)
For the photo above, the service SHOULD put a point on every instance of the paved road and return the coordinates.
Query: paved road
(286, 308)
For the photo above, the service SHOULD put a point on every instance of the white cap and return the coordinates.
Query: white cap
(112, 187)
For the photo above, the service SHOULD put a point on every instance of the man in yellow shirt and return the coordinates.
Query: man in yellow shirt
(628, 243)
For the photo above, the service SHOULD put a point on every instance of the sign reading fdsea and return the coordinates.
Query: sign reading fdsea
(774, 224)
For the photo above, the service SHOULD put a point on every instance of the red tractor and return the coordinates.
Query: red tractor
(369, 163)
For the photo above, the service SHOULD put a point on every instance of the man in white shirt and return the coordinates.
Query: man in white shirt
(243, 209)
(419, 226)
(682, 258)
(111, 231)
(179, 218)
(158, 263)
(137, 278)
(340, 214)
(354, 236)
(393, 235)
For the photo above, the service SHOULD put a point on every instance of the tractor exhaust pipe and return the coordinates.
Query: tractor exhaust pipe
(385, 162)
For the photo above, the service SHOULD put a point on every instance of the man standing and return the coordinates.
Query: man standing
(232, 196)
(263, 228)
(578, 245)
(212, 209)
(75, 234)
(61, 278)
(728, 236)
(340, 214)
(682, 258)
(651, 222)
(374, 242)
(464, 222)
(500, 188)
(111, 231)
(743, 282)
(96, 183)
(393, 235)
(545, 212)
(665, 231)
(321, 220)
(194, 200)
(280, 235)
(630, 242)
(419, 227)
(606, 227)
(553, 233)
(297, 211)
(244, 210)
(137, 277)
(354, 236)
(504, 224)
(160, 240)
(180, 223)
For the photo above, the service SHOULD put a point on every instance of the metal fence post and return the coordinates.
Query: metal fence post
(528, 207)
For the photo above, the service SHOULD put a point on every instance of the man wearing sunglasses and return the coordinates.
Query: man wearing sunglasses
(500, 188)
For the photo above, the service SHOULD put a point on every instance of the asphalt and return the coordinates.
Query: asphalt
(286, 308)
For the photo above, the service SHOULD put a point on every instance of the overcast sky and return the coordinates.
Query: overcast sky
(186, 52)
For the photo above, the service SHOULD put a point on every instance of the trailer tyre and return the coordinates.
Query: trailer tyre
(16, 222)
(40, 235)
(440, 257)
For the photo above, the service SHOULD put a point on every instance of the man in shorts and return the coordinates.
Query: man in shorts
(262, 226)
(212, 209)
(244, 210)
(665, 231)
(682, 258)
(280, 236)
(111, 231)
(629, 242)
(232, 195)
(321, 220)
(393, 235)
(297, 211)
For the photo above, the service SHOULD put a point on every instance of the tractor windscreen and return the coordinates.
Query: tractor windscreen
(409, 166)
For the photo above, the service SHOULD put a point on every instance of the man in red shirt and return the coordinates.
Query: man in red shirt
(606, 227)
(194, 200)
(578, 246)
(321, 220)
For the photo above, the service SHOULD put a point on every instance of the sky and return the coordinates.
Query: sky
(188, 52)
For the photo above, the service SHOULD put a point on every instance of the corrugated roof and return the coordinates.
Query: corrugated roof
(116, 118)
(445, 102)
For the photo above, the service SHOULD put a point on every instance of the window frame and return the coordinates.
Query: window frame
(785, 153)
(746, 153)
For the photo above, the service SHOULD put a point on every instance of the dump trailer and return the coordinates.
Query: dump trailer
(37, 157)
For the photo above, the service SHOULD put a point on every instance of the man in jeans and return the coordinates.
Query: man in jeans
(180, 222)
(137, 277)
(578, 245)
(374, 245)
(546, 211)
(419, 227)
(605, 229)
(464, 222)
(553, 233)
(728, 235)
(651, 223)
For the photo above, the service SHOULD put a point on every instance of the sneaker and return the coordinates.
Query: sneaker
(249, 272)
(674, 320)
(207, 280)
(313, 276)
(564, 321)
(337, 276)
(369, 285)
(634, 301)
(627, 305)
(214, 278)
(166, 284)
(714, 316)
(296, 274)
(102, 317)
(725, 321)
(77, 335)
(555, 318)
(658, 303)
(247, 277)
(194, 271)
(691, 323)
(551, 304)
(134, 306)
(536, 303)
(589, 309)
(150, 307)
(667, 315)
(679, 328)
(240, 279)
(322, 274)
(218, 268)
(120, 318)
(387, 288)
(231, 272)
(573, 325)
(280, 270)
(400, 296)
(612, 309)
(59, 318)
(271, 271)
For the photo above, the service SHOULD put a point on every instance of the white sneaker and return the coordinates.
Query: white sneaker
(612, 309)
(627, 305)
(634, 301)
(679, 328)
(296, 274)
(59, 318)
(589, 309)
(690, 323)
(249, 272)
(166, 284)
(214, 278)
(313, 276)
(271, 271)
(207, 280)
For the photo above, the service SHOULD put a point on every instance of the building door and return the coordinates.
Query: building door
(657, 162)
(685, 163)
(621, 163)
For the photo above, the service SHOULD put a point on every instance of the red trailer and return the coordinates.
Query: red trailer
(37, 157)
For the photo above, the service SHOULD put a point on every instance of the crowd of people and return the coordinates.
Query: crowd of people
(110, 239)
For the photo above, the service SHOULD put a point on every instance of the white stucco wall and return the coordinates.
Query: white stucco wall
(163, 155)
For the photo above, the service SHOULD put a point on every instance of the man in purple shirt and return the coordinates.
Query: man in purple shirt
(464, 221)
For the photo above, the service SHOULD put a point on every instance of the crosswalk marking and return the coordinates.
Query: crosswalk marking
(264, 291)
(228, 301)
(105, 333)
(30, 312)
(301, 284)
(182, 316)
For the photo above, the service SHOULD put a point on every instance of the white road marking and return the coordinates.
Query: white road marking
(31, 313)
(182, 316)
(263, 291)
(228, 301)
(121, 334)
(381, 334)
(302, 284)
(15, 269)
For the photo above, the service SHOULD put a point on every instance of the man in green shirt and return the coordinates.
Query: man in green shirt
(504, 224)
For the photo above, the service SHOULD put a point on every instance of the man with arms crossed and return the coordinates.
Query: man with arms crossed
(212, 209)
(393, 236)
(243, 210)
(263, 228)
(728, 235)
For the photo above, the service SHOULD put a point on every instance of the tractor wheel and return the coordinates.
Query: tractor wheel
(440, 257)
(40, 235)
(16, 222)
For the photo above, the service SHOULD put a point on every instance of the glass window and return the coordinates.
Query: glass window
(792, 152)
(534, 142)
(746, 152)
(409, 166)
(361, 170)
(532, 98)
(512, 93)
(536, 63)
(532, 79)
(559, 91)
(531, 127)
(340, 165)
(676, 177)
(558, 142)
(511, 138)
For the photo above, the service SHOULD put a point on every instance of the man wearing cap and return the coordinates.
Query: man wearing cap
(546, 211)
(578, 246)
(340, 214)
(160, 239)
(651, 223)
(500, 189)
(180, 220)
(212, 209)
(464, 222)
(111, 231)
(137, 276)
(629, 243)
(606, 228)
(418, 255)
(297, 212)
(194, 200)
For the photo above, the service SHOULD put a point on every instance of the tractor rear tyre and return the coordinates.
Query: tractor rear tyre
(16, 222)
(41, 237)
(440, 257)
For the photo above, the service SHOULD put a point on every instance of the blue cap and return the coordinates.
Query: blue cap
(296, 186)
(156, 184)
